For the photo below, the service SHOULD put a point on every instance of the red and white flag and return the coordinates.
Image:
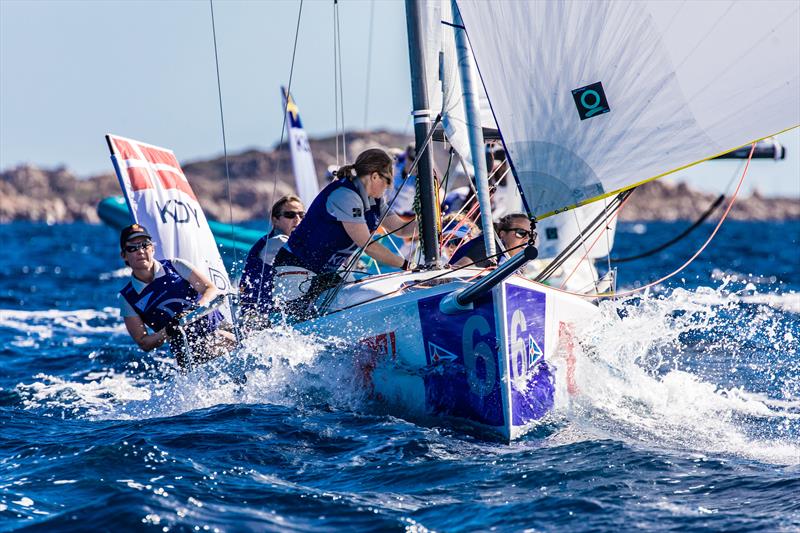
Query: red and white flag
(161, 199)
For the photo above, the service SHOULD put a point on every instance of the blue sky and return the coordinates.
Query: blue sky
(71, 71)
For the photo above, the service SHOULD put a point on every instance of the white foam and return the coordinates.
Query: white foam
(633, 384)
(282, 366)
(43, 323)
(787, 302)
(95, 395)
(123, 272)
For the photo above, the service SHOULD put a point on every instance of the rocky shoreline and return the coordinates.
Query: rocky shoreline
(57, 195)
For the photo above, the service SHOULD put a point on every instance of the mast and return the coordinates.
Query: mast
(475, 131)
(422, 122)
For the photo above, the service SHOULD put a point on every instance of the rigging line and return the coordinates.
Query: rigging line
(369, 61)
(283, 126)
(608, 238)
(691, 259)
(605, 222)
(476, 213)
(471, 199)
(341, 79)
(355, 257)
(422, 281)
(335, 86)
(224, 140)
(583, 244)
(572, 246)
(283, 123)
(697, 223)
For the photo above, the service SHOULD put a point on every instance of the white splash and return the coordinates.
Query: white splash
(281, 367)
(635, 379)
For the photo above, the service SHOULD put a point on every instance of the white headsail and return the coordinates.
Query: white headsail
(305, 174)
(160, 198)
(596, 97)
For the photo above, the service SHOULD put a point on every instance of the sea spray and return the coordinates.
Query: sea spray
(647, 371)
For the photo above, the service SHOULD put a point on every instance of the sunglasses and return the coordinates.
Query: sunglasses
(452, 243)
(133, 248)
(387, 179)
(521, 233)
(294, 214)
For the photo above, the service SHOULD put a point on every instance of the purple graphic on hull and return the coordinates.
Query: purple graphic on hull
(532, 384)
(463, 377)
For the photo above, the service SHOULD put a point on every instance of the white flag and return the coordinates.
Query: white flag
(161, 199)
(305, 175)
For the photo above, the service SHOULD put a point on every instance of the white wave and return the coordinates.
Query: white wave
(787, 302)
(42, 324)
(632, 383)
(94, 394)
(123, 272)
(282, 367)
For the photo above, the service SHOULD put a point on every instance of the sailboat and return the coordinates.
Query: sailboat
(590, 100)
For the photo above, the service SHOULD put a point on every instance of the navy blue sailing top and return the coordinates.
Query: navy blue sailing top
(165, 297)
(255, 286)
(320, 243)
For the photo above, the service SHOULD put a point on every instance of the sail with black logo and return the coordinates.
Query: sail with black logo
(593, 98)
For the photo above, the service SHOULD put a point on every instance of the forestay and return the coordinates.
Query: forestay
(596, 97)
(160, 198)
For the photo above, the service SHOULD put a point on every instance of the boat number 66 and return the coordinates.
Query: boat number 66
(474, 352)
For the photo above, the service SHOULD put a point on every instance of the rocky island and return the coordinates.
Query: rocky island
(28, 192)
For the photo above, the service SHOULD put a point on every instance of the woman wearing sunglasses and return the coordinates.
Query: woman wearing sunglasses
(159, 292)
(339, 221)
(515, 231)
(255, 286)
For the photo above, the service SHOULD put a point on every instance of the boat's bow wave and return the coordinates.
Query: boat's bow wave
(701, 370)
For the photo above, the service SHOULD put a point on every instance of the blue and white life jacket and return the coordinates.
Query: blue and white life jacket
(320, 243)
(255, 286)
(165, 297)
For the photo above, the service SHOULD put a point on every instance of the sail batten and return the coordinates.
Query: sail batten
(594, 98)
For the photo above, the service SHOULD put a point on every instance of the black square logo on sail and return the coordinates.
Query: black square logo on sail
(551, 233)
(590, 100)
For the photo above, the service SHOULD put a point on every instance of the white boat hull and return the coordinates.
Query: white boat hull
(489, 368)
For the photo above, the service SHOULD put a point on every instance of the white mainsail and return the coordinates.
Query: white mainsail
(443, 79)
(596, 97)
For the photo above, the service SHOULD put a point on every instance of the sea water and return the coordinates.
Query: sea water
(686, 415)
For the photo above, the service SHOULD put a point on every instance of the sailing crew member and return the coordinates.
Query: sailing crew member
(405, 185)
(339, 221)
(157, 295)
(255, 286)
(515, 232)
(457, 230)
